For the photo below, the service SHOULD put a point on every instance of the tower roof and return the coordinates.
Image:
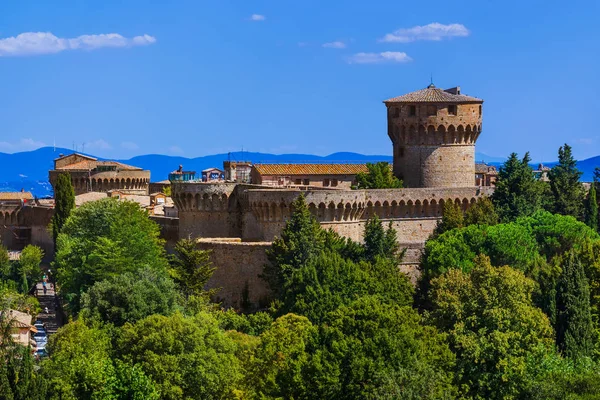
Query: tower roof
(432, 94)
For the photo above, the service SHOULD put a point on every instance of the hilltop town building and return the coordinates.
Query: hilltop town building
(317, 175)
(485, 175)
(88, 174)
(237, 171)
(433, 133)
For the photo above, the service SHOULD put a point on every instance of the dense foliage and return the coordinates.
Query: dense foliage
(518, 192)
(104, 239)
(379, 176)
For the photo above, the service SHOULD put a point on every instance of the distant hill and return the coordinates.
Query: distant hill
(29, 170)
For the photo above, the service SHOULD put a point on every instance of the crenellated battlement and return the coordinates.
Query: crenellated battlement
(253, 212)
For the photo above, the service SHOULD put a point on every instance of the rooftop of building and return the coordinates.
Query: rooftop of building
(432, 94)
(93, 164)
(310, 169)
(20, 319)
(143, 200)
(484, 168)
(22, 195)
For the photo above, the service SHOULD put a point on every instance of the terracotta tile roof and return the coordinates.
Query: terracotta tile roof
(481, 168)
(432, 94)
(91, 164)
(310, 169)
(19, 319)
(16, 196)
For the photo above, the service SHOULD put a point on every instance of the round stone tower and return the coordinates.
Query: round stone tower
(434, 133)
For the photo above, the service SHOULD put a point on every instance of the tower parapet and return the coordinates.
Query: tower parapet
(433, 132)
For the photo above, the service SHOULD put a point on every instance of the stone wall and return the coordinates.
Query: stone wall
(238, 268)
(169, 230)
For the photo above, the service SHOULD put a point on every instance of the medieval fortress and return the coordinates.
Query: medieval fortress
(237, 214)
(433, 132)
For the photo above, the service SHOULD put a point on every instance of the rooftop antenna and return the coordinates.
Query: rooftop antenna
(55, 144)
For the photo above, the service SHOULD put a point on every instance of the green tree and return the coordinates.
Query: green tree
(19, 379)
(190, 267)
(64, 203)
(373, 349)
(301, 239)
(518, 192)
(452, 218)
(102, 239)
(5, 264)
(279, 362)
(380, 242)
(492, 326)
(186, 358)
(481, 213)
(379, 176)
(130, 297)
(591, 209)
(574, 330)
(329, 281)
(29, 266)
(566, 188)
(79, 366)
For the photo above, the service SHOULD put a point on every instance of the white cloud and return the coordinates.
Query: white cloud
(32, 43)
(24, 144)
(99, 144)
(587, 141)
(130, 146)
(175, 150)
(379, 58)
(335, 45)
(434, 31)
(257, 17)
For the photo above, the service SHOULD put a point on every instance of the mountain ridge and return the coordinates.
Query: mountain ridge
(29, 170)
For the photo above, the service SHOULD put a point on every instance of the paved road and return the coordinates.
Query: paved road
(50, 319)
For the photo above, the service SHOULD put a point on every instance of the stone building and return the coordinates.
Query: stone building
(485, 175)
(88, 174)
(341, 176)
(237, 171)
(433, 134)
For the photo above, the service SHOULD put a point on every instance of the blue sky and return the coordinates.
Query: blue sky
(195, 77)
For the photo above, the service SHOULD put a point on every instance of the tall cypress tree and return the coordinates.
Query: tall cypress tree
(574, 328)
(64, 203)
(591, 209)
(567, 190)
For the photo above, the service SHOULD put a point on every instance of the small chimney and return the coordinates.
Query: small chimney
(454, 90)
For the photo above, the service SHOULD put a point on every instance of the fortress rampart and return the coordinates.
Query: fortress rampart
(255, 213)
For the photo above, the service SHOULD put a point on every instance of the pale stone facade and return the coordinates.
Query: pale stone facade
(88, 174)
